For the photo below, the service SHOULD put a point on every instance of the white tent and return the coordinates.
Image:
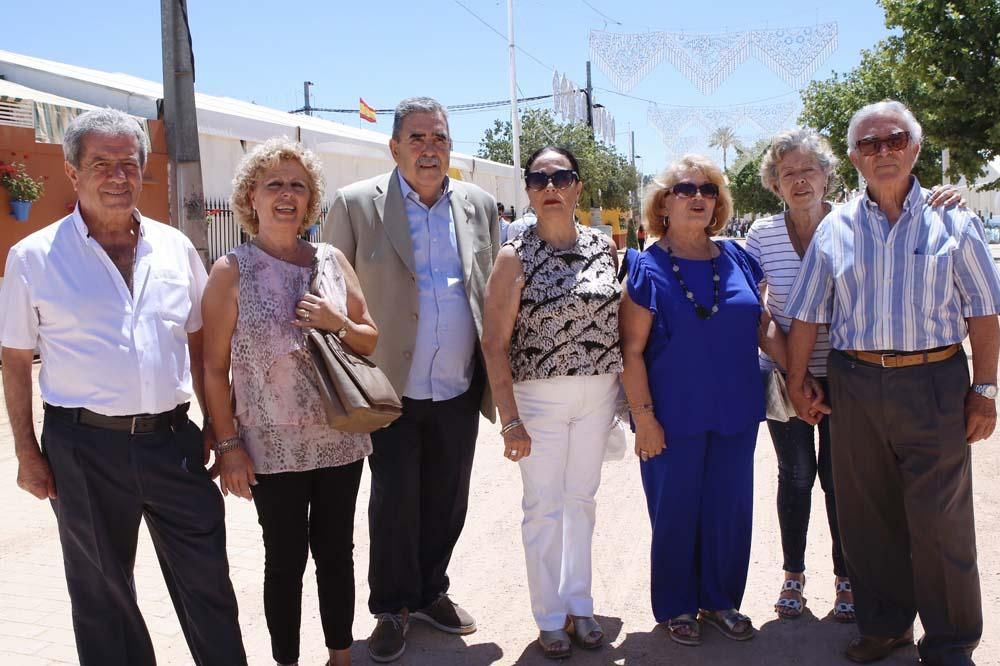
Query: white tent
(986, 202)
(228, 127)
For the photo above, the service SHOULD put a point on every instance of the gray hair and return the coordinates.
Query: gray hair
(111, 122)
(417, 105)
(809, 141)
(888, 107)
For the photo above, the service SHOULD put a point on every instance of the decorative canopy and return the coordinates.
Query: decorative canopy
(708, 59)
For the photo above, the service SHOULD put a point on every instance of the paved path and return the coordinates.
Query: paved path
(488, 578)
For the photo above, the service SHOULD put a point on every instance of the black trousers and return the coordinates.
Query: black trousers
(299, 511)
(106, 483)
(421, 466)
(800, 459)
(903, 476)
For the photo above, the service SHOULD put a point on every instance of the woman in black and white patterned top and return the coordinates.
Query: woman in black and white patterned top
(550, 338)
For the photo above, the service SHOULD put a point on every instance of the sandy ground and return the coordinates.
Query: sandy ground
(487, 578)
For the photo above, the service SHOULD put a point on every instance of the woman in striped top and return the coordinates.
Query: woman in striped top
(798, 167)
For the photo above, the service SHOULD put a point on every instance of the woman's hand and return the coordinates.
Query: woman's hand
(315, 312)
(946, 195)
(235, 473)
(517, 444)
(649, 439)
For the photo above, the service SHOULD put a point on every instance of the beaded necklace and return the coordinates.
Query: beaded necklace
(700, 310)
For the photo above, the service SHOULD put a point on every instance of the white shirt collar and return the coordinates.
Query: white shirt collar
(81, 226)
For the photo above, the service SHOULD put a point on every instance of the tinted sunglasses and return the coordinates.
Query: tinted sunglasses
(539, 180)
(687, 190)
(873, 145)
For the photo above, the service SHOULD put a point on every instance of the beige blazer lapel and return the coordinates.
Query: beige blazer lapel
(461, 210)
(392, 212)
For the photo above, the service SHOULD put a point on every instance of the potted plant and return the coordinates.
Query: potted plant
(23, 189)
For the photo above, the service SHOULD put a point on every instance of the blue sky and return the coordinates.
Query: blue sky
(384, 51)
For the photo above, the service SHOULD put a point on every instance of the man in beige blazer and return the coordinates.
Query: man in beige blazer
(423, 246)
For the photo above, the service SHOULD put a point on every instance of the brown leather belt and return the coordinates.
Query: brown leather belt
(895, 359)
(135, 424)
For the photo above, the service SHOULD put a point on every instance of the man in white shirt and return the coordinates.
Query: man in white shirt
(112, 301)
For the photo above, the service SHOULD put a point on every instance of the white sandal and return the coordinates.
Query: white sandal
(788, 607)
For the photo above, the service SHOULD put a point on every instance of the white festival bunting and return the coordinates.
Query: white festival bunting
(708, 59)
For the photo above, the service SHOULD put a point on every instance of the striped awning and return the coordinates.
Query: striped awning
(49, 114)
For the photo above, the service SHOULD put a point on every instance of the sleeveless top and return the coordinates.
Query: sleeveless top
(278, 407)
(567, 323)
(703, 373)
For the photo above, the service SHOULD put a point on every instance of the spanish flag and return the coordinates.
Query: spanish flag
(367, 112)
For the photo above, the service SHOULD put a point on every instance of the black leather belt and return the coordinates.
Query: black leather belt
(135, 424)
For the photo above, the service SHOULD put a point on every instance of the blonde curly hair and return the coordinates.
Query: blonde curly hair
(662, 184)
(266, 156)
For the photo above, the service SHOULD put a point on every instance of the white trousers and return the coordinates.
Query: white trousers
(568, 420)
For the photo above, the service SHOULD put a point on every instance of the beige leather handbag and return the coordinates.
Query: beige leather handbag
(356, 395)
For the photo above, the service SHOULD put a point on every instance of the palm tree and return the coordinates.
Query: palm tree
(724, 138)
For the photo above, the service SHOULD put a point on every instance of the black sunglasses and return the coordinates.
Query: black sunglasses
(686, 190)
(873, 144)
(539, 180)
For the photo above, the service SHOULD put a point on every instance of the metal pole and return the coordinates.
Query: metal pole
(185, 193)
(589, 91)
(515, 116)
(307, 109)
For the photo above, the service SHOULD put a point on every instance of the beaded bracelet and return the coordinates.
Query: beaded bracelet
(227, 445)
(641, 409)
(510, 426)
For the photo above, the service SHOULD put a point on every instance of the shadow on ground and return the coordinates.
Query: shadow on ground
(426, 645)
(805, 641)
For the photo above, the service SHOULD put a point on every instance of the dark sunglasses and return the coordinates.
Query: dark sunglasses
(873, 145)
(539, 180)
(687, 190)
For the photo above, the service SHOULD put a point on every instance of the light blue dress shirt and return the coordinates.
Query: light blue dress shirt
(905, 287)
(443, 356)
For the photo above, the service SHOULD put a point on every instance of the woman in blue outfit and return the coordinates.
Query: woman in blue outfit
(689, 332)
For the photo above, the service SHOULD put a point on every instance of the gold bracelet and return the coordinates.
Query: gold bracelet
(227, 445)
(641, 409)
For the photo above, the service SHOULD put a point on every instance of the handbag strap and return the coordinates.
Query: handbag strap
(320, 258)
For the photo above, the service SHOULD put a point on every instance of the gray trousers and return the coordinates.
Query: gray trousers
(107, 482)
(903, 477)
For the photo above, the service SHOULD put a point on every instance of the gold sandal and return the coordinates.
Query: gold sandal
(554, 644)
(585, 631)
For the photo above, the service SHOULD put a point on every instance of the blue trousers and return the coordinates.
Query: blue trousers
(699, 493)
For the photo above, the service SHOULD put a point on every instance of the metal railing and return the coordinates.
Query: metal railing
(224, 233)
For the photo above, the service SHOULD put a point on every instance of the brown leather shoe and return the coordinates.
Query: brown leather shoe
(866, 649)
(445, 615)
(388, 640)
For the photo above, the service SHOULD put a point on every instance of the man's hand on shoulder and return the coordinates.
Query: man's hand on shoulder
(35, 476)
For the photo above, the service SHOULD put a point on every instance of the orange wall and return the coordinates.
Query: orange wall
(46, 160)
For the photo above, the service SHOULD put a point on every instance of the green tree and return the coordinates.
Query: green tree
(828, 106)
(724, 138)
(607, 176)
(950, 62)
(749, 195)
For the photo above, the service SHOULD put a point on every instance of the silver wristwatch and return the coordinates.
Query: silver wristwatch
(986, 390)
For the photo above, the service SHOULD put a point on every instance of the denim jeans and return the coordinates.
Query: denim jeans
(798, 464)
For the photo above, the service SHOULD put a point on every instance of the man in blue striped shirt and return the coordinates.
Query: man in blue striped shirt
(901, 284)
